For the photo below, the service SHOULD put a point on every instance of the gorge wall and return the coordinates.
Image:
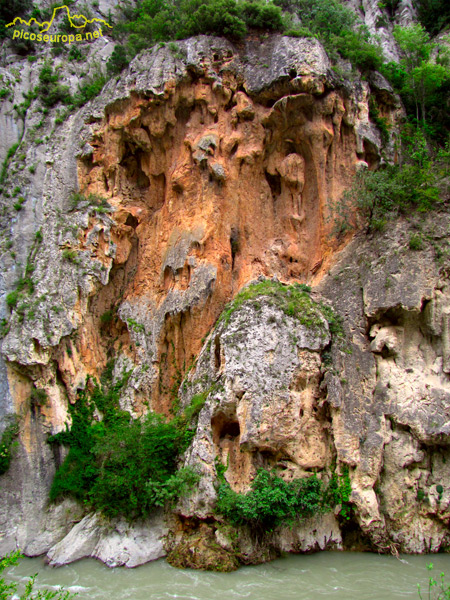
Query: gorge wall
(219, 165)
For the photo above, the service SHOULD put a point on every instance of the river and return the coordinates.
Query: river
(335, 575)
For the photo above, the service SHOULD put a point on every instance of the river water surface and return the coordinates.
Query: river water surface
(334, 575)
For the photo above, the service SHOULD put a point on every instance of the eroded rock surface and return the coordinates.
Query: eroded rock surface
(200, 170)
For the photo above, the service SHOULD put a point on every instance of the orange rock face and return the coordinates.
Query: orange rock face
(208, 176)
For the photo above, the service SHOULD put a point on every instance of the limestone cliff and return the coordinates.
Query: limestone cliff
(205, 166)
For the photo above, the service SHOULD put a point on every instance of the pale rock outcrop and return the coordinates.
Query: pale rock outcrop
(115, 542)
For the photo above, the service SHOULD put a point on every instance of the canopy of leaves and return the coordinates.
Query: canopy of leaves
(7, 443)
(9, 9)
(162, 20)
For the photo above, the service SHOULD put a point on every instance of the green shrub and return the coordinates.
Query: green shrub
(107, 317)
(49, 90)
(120, 465)
(377, 196)
(75, 54)
(339, 29)
(434, 15)
(415, 242)
(11, 9)
(12, 298)
(38, 397)
(293, 300)
(217, 17)
(70, 255)
(7, 444)
(271, 501)
(138, 467)
(117, 61)
(160, 20)
(9, 155)
(437, 589)
(195, 406)
(259, 15)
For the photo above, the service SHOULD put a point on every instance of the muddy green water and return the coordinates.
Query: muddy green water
(336, 575)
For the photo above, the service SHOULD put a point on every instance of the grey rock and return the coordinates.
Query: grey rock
(115, 542)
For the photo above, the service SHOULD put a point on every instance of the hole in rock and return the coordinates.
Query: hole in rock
(274, 182)
(225, 427)
(132, 221)
(217, 360)
(234, 244)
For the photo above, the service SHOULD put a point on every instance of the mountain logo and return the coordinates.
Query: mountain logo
(77, 21)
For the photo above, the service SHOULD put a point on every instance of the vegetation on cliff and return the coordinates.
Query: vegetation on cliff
(272, 502)
(419, 183)
(119, 465)
(7, 444)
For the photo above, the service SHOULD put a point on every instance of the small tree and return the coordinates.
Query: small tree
(422, 76)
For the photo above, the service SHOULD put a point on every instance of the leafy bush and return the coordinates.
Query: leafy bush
(160, 20)
(9, 155)
(138, 469)
(259, 15)
(118, 60)
(9, 10)
(8, 591)
(88, 89)
(49, 90)
(377, 196)
(107, 317)
(7, 445)
(434, 15)
(415, 242)
(271, 501)
(119, 465)
(293, 300)
(422, 78)
(38, 397)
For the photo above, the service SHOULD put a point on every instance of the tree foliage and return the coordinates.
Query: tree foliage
(420, 76)
(156, 21)
(7, 444)
(9, 9)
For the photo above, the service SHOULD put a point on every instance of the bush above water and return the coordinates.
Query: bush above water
(272, 501)
(120, 466)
